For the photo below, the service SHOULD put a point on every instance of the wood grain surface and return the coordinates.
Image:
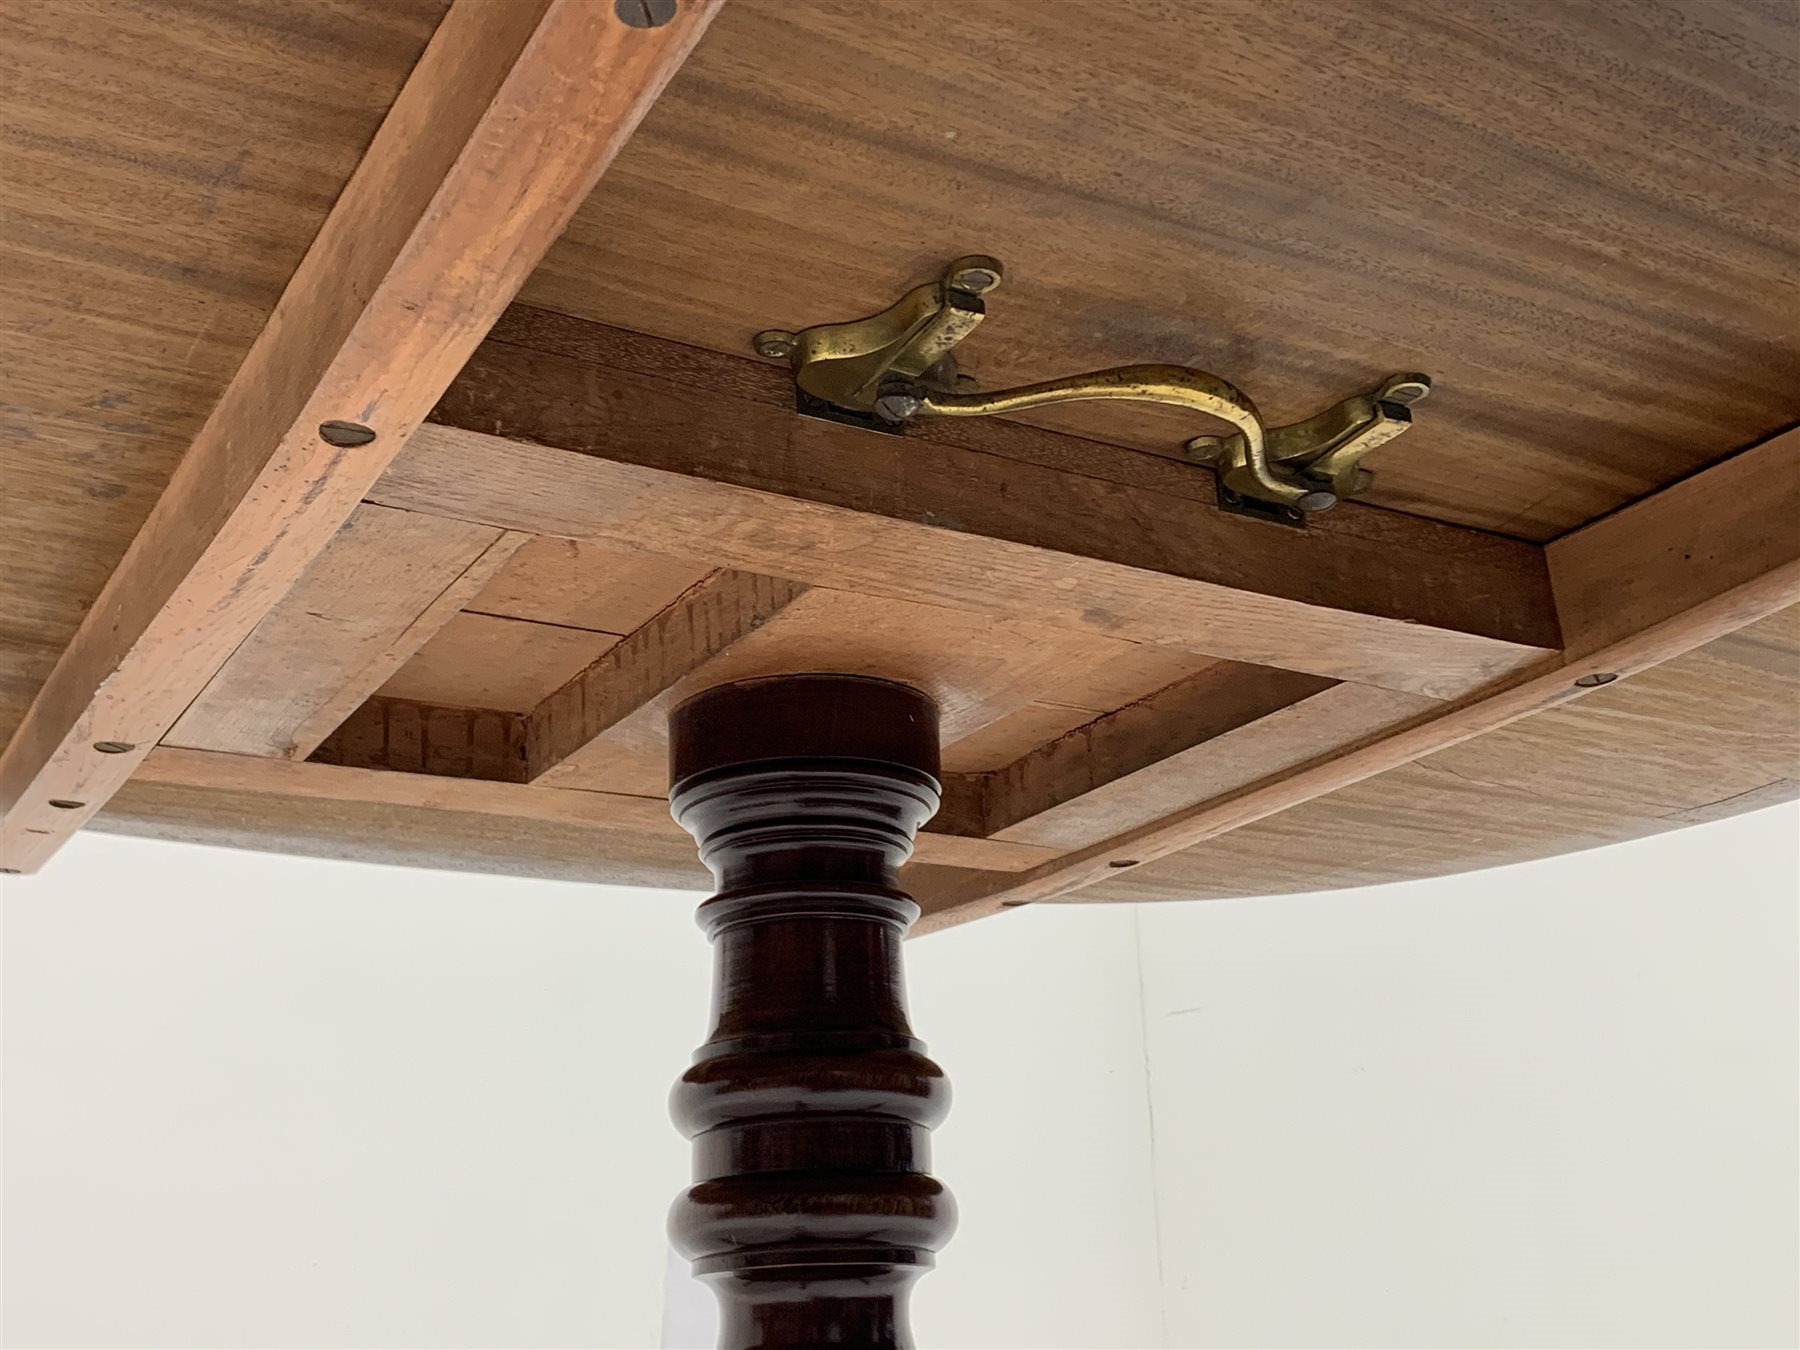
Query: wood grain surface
(485, 661)
(1581, 219)
(505, 124)
(708, 460)
(385, 586)
(1691, 602)
(1704, 736)
(1715, 727)
(164, 167)
(440, 738)
(569, 723)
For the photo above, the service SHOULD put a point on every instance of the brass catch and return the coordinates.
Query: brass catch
(900, 364)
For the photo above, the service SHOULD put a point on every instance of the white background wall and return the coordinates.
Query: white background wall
(264, 1101)
(253, 1100)
(1546, 1105)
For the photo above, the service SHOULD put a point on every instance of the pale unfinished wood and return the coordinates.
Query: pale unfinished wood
(1548, 411)
(383, 586)
(1245, 746)
(1006, 739)
(697, 626)
(260, 814)
(1701, 737)
(484, 661)
(1691, 604)
(1080, 696)
(503, 127)
(170, 766)
(1400, 602)
(976, 667)
(580, 585)
(1143, 733)
(906, 523)
(1714, 728)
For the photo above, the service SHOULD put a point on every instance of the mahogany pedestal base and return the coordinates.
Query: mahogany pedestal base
(811, 1102)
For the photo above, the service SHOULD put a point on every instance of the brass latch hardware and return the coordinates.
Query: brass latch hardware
(900, 364)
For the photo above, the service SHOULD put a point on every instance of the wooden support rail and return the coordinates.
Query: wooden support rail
(1677, 569)
(501, 131)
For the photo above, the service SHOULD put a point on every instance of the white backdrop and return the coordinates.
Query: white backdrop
(263, 1101)
(1546, 1105)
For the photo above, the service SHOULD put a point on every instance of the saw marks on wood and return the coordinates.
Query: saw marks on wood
(980, 670)
(554, 609)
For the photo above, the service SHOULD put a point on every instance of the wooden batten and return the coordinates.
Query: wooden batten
(1723, 541)
(707, 459)
(440, 787)
(1262, 734)
(500, 132)
(1142, 733)
(379, 591)
(1662, 556)
(703, 622)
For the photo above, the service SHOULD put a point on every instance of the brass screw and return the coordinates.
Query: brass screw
(114, 747)
(774, 344)
(977, 274)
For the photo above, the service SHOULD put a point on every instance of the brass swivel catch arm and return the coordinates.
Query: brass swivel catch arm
(900, 364)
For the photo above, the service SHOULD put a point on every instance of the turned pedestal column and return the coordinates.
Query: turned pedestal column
(811, 1102)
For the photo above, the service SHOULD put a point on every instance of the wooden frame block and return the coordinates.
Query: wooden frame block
(703, 622)
(503, 128)
(441, 788)
(708, 461)
(1664, 557)
(384, 585)
(1138, 737)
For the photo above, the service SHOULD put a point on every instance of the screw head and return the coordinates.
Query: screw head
(644, 13)
(1408, 388)
(976, 274)
(1595, 680)
(345, 435)
(64, 804)
(114, 747)
(1317, 500)
(1124, 862)
(775, 344)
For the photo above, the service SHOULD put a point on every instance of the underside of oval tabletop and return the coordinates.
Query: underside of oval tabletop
(388, 450)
